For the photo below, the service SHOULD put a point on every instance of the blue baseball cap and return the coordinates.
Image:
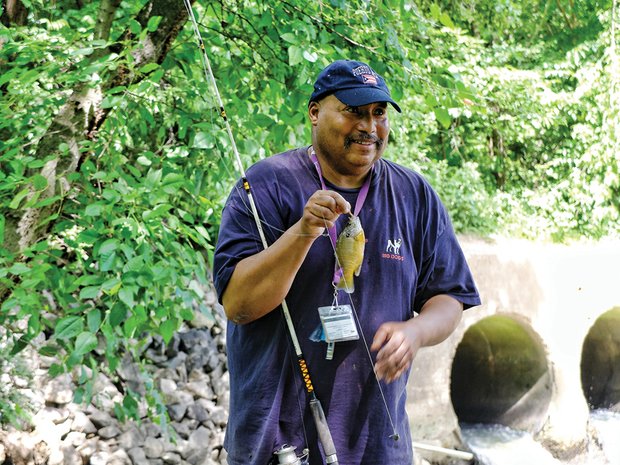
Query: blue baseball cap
(353, 83)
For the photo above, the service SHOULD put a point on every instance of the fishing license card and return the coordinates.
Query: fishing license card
(338, 323)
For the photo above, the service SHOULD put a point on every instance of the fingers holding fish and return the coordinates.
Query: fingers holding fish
(321, 211)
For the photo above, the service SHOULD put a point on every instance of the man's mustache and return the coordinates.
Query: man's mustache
(363, 139)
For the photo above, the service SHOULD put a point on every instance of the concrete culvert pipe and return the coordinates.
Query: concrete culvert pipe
(500, 375)
(600, 362)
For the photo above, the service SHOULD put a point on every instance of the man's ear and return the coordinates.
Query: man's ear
(313, 112)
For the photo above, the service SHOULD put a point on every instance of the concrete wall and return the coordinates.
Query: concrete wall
(542, 350)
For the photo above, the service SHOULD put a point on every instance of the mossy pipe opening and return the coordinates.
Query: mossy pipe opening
(500, 375)
(600, 362)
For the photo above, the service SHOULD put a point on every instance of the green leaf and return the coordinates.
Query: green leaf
(111, 286)
(153, 23)
(18, 198)
(93, 320)
(39, 182)
(289, 37)
(85, 342)
(19, 269)
(107, 254)
(144, 161)
(148, 68)
(83, 51)
(93, 209)
(135, 27)
(89, 292)
(2, 222)
(295, 55)
(443, 117)
(107, 261)
(68, 327)
(445, 20)
(126, 295)
(167, 329)
(49, 350)
(117, 314)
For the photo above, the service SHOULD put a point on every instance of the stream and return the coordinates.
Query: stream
(500, 445)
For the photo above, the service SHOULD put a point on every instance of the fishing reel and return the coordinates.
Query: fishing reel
(286, 455)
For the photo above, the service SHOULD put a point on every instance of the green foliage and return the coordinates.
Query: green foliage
(509, 109)
(14, 405)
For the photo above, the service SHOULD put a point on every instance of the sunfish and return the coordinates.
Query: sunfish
(350, 253)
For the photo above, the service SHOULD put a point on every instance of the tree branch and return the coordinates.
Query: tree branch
(81, 116)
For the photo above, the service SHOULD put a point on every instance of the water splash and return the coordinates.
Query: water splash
(607, 426)
(501, 445)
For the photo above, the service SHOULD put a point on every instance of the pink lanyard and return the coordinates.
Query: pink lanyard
(359, 203)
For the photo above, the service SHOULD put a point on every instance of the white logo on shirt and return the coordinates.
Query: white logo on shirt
(394, 246)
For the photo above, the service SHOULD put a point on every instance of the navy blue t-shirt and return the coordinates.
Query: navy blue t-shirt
(411, 255)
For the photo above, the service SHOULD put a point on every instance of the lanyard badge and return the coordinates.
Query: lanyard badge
(337, 321)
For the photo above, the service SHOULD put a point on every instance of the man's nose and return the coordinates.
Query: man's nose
(367, 123)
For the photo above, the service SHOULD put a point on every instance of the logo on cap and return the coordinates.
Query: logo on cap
(369, 79)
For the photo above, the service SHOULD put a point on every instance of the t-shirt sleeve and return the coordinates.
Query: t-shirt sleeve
(444, 269)
(239, 237)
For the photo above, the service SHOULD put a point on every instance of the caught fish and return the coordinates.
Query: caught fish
(350, 253)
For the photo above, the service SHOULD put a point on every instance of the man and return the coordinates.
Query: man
(412, 264)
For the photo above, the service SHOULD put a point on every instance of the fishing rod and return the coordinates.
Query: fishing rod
(325, 437)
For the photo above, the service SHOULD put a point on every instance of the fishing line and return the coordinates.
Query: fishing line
(316, 409)
(395, 434)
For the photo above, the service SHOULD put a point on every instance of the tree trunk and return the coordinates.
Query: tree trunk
(81, 116)
(14, 13)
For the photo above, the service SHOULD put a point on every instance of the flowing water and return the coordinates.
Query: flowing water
(500, 445)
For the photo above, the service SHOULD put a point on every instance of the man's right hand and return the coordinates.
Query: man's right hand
(261, 281)
(321, 211)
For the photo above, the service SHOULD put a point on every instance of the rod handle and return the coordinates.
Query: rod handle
(325, 436)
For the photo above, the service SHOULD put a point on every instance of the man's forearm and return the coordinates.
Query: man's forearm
(260, 282)
(438, 318)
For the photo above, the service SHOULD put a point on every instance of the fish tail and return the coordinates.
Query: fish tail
(347, 285)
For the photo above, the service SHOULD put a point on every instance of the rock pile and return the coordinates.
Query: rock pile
(190, 373)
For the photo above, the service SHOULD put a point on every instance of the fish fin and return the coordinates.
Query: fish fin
(359, 269)
(343, 285)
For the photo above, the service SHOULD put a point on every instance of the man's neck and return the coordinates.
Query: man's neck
(335, 178)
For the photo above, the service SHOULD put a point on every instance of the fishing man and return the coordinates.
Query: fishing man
(409, 291)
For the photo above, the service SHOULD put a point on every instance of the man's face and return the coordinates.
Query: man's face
(350, 139)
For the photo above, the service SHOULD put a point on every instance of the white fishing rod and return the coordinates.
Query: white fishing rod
(316, 408)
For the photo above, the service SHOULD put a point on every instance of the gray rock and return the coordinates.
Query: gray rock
(219, 416)
(197, 412)
(99, 458)
(131, 438)
(82, 424)
(177, 411)
(171, 458)
(153, 448)
(119, 457)
(199, 438)
(137, 456)
(172, 349)
(70, 456)
(74, 439)
(200, 388)
(99, 418)
(150, 429)
(177, 361)
(129, 371)
(167, 386)
(182, 429)
(88, 448)
(109, 432)
(59, 390)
